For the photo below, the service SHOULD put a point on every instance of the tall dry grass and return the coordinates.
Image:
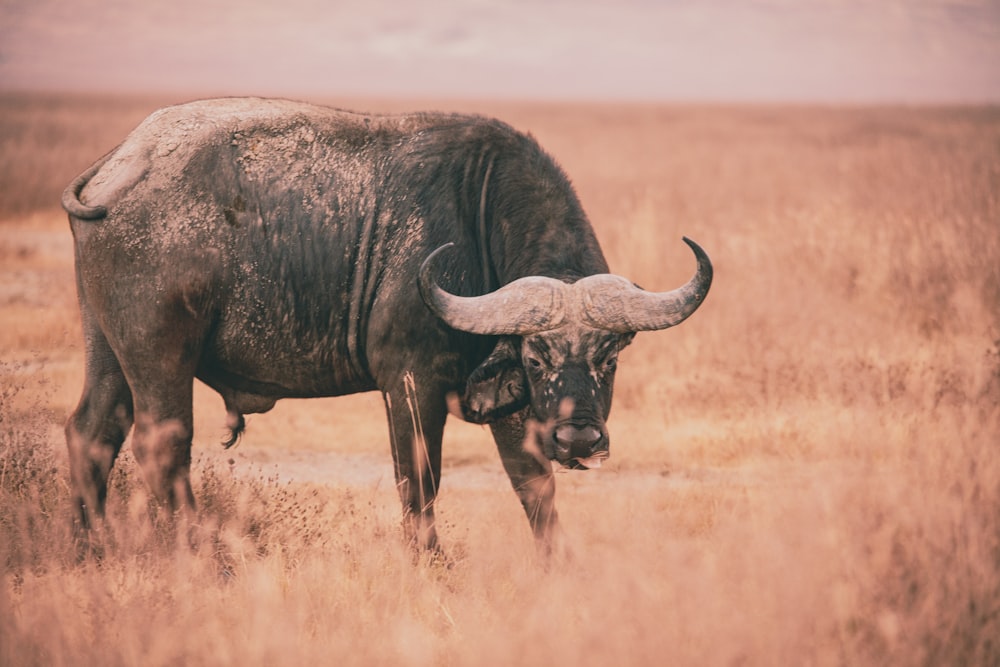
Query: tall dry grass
(805, 473)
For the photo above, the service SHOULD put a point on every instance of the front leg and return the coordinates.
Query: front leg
(531, 476)
(416, 425)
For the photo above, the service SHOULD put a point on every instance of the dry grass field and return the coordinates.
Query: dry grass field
(805, 473)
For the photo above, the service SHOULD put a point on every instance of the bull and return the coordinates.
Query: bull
(275, 249)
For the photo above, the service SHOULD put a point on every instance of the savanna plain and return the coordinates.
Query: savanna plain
(804, 473)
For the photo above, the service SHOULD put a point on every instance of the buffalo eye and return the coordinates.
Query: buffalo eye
(534, 363)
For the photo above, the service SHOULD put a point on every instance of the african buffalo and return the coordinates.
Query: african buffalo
(274, 249)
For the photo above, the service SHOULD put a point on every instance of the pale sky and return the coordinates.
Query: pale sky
(910, 51)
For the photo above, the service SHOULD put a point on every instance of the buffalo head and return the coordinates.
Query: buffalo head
(559, 348)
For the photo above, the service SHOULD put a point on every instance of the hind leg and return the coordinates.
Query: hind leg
(162, 385)
(156, 350)
(162, 447)
(96, 429)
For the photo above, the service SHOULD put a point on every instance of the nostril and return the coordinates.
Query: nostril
(573, 437)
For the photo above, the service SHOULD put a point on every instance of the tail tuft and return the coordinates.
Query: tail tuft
(236, 425)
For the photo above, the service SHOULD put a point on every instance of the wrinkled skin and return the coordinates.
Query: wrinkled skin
(270, 249)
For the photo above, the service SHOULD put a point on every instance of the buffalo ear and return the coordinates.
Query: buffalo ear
(497, 387)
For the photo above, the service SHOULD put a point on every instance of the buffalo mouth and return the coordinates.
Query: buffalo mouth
(592, 462)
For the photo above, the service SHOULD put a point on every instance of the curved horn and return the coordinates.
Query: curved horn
(525, 306)
(615, 304)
